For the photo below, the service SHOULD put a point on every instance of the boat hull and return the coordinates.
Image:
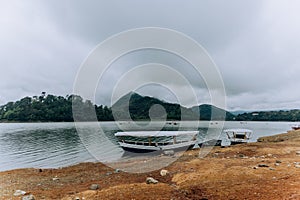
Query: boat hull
(135, 150)
(156, 149)
(296, 127)
(212, 142)
(238, 142)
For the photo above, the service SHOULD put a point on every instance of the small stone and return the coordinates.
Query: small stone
(55, 179)
(169, 152)
(263, 165)
(28, 197)
(297, 166)
(241, 155)
(298, 153)
(262, 156)
(117, 170)
(269, 155)
(271, 168)
(215, 155)
(77, 198)
(19, 193)
(94, 187)
(164, 172)
(255, 167)
(151, 180)
(278, 161)
(276, 164)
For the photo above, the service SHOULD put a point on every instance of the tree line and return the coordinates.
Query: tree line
(280, 115)
(50, 108)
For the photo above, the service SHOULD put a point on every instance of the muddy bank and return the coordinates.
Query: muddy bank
(269, 169)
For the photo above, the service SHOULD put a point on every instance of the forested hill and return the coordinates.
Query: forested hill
(210, 112)
(279, 115)
(140, 107)
(51, 108)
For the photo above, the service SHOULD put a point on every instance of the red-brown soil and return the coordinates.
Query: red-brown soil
(225, 173)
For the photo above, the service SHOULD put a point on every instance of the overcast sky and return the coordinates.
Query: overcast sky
(254, 43)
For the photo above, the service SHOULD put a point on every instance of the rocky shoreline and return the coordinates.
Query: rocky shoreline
(268, 169)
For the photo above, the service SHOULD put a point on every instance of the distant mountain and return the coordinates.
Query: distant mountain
(281, 115)
(237, 112)
(140, 107)
(240, 112)
(51, 108)
(210, 112)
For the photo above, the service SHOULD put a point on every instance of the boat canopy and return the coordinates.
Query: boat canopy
(238, 131)
(155, 133)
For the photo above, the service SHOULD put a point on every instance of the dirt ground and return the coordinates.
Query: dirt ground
(269, 169)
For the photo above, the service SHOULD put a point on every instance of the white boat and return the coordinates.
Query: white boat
(238, 136)
(151, 141)
(296, 127)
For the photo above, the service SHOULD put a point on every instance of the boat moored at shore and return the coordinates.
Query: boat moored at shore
(238, 136)
(296, 127)
(156, 141)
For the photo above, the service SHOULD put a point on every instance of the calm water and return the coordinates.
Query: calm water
(52, 145)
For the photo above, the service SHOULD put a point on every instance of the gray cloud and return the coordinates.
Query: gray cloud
(264, 60)
(254, 43)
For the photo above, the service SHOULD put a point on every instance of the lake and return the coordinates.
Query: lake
(53, 145)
